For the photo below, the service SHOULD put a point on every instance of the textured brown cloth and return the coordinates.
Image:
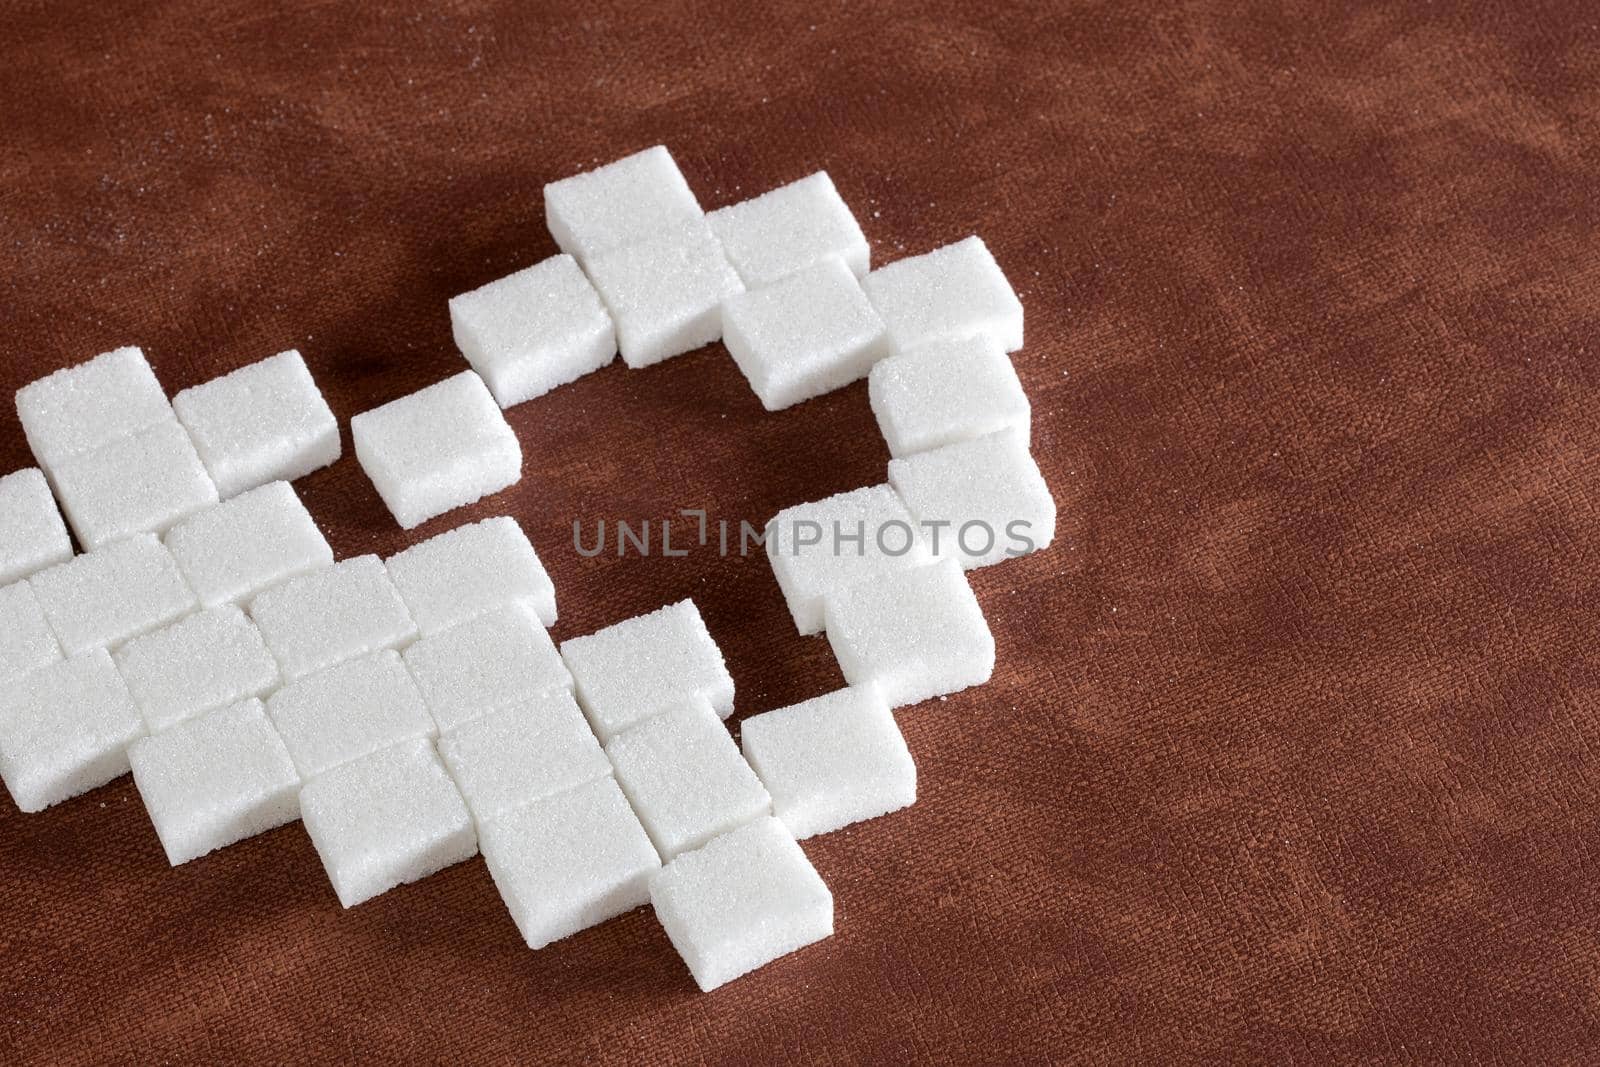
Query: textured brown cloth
(1290, 752)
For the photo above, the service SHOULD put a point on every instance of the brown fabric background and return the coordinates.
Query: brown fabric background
(1290, 754)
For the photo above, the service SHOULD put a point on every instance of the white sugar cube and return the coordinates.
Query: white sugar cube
(945, 295)
(978, 502)
(348, 711)
(64, 729)
(469, 571)
(331, 615)
(685, 778)
(831, 761)
(144, 483)
(385, 819)
(806, 335)
(102, 598)
(214, 780)
(618, 204)
(771, 236)
(206, 661)
(440, 448)
(533, 330)
(492, 662)
(26, 640)
(569, 861)
(911, 634)
(947, 391)
(740, 902)
(833, 543)
(81, 408)
(645, 665)
(526, 752)
(263, 423)
(243, 546)
(32, 535)
(665, 294)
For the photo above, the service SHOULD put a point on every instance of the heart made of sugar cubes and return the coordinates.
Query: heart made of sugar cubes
(414, 711)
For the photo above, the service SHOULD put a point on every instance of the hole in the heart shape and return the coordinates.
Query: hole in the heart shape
(638, 446)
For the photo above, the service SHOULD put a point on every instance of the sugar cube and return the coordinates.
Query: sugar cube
(466, 572)
(788, 229)
(263, 423)
(685, 778)
(492, 662)
(26, 641)
(348, 711)
(665, 293)
(832, 543)
(618, 204)
(978, 502)
(440, 448)
(645, 665)
(331, 615)
(526, 752)
(231, 552)
(806, 335)
(947, 391)
(32, 535)
(912, 634)
(206, 661)
(214, 780)
(533, 330)
(831, 761)
(385, 819)
(742, 901)
(569, 861)
(944, 295)
(102, 598)
(64, 729)
(81, 408)
(144, 483)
